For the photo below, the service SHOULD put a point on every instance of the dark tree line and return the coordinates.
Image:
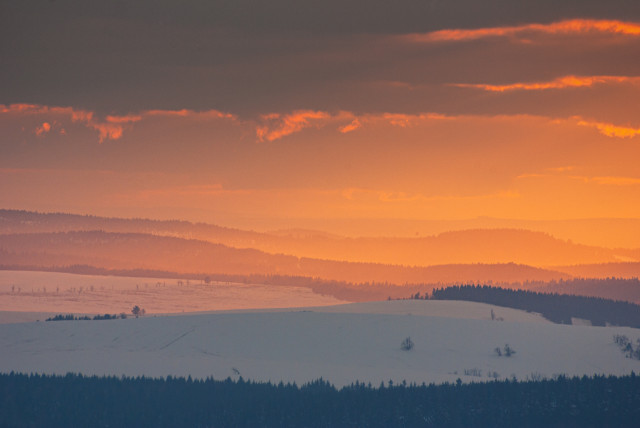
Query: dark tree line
(75, 400)
(71, 317)
(558, 308)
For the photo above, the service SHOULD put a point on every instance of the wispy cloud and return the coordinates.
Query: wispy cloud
(609, 129)
(406, 120)
(355, 124)
(112, 127)
(572, 26)
(275, 126)
(192, 114)
(559, 83)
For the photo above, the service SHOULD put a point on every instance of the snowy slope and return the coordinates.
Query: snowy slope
(300, 346)
(46, 293)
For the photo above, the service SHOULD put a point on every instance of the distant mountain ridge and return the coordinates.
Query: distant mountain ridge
(130, 251)
(456, 247)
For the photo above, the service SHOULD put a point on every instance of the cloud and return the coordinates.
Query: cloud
(124, 119)
(276, 126)
(609, 129)
(43, 129)
(112, 127)
(186, 113)
(355, 124)
(559, 83)
(407, 120)
(567, 27)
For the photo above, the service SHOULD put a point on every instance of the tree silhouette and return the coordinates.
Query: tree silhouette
(136, 311)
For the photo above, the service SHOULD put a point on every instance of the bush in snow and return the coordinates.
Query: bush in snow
(407, 344)
(508, 350)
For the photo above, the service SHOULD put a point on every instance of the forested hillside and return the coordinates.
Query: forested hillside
(559, 308)
(74, 400)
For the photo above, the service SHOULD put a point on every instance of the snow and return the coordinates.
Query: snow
(44, 294)
(341, 344)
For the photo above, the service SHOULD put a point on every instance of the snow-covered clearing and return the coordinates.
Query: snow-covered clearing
(341, 344)
(31, 296)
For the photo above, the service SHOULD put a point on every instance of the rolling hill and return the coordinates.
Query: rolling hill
(143, 251)
(456, 247)
(340, 344)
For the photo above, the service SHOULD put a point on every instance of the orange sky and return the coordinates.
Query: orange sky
(518, 119)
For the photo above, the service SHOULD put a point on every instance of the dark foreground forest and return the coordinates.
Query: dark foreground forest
(78, 401)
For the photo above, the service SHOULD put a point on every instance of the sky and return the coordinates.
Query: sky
(256, 114)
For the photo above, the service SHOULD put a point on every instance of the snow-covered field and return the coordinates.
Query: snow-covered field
(31, 296)
(341, 344)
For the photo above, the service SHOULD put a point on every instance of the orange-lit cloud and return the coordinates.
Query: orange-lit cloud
(185, 113)
(277, 126)
(559, 83)
(355, 124)
(406, 120)
(43, 129)
(572, 26)
(123, 119)
(112, 127)
(47, 127)
(609, 129)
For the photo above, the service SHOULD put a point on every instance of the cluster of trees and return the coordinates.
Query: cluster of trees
(627, 347)
(138, 311)
(507, 351)
(71, 317)
(558, 308)
(75, 400)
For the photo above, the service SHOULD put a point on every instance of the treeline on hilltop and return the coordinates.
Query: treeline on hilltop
(71, 317)
(558, 308)
(608, 288)
(76, 400)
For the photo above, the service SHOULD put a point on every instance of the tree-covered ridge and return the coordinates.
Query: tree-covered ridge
(559, 308)
(75, 400)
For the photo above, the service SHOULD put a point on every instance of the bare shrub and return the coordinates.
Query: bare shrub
(407, 344)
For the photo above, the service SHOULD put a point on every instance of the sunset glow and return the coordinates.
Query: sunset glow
(200, 196)
(531, 118)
